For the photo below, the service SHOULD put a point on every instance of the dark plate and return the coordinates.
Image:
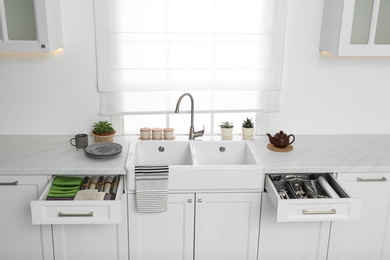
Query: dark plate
(103, 150)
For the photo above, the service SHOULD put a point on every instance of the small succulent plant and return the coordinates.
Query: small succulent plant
(247, 123)
(103, 127)
(226, 124)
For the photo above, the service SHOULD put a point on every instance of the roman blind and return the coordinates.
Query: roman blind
(227, 53)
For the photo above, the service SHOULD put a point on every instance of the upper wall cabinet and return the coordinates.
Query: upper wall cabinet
(356, 27)
(30, 25)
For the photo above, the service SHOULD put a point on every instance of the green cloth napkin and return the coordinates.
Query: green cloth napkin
(63, 191)
(64, 188)
(61, 195)
(67, 181)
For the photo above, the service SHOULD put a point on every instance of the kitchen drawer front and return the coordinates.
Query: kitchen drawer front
(314, 209)
(77, 211)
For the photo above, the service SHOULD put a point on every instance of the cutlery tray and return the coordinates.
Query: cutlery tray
(310, 197)
(306, 187)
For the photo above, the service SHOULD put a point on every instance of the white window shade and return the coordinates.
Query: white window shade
(227, 53)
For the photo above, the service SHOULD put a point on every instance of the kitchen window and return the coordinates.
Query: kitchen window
(227, 53)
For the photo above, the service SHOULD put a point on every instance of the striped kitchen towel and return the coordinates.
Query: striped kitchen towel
(151, 187)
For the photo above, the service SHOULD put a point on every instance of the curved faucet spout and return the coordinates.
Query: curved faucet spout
(192, 106)
(192, 133)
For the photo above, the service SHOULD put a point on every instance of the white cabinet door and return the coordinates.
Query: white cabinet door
(356, 27)
(30, 26)
(19, 239)
(368, 237)
(92, 241)
(295, 240)
(227, 226)
(164, 236)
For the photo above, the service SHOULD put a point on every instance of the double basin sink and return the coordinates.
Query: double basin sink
(200, 165)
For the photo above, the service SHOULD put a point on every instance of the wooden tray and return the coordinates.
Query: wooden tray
(288, 148)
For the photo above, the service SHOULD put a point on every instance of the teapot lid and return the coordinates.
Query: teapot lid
(280, 134)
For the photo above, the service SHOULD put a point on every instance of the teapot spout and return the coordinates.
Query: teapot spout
(270, 138)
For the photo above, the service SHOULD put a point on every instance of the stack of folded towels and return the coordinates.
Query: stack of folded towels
(64, 188)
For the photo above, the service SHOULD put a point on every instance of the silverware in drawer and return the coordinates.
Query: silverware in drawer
(310, 197)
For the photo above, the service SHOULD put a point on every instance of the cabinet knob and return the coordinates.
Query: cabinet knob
(200, 200)
(189, 200)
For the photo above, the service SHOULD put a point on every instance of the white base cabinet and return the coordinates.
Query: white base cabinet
(83, 229)
(92, 241)
(227, 226)
(167, 235)
(19, 239)
(368, 237)
(293, 240)
(197, 226)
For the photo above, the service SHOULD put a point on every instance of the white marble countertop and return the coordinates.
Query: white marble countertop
(49, 155)
(329, 153)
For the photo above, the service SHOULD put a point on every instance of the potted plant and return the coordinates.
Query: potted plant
(103, 132)
(226, 130)
(247, 129)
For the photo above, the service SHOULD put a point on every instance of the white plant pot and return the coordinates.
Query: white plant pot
(247, 133)
(227, 133)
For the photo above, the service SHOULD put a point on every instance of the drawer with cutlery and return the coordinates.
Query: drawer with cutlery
(310, 197)
(79, 200)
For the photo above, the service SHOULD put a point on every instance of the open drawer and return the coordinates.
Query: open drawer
(310, 197)
(77, 211)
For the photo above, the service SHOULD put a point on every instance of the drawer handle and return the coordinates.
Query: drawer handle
(313, 212)
(14, 183)
(370, 179)
(60, 214)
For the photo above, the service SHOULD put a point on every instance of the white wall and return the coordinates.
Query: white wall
(53, 93)
(325, 94)
(57, 94)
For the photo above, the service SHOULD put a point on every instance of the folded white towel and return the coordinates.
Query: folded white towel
(100, 195)
(151, 185)
(89, 195)
(86, 195)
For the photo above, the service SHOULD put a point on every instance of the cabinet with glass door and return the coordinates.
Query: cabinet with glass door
(30, 26)
(356, 27)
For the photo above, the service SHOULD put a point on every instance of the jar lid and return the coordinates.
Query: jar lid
(168, 129)
(145, 129)
(156, 129)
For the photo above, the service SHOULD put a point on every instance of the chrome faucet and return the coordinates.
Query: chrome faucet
(192, 134)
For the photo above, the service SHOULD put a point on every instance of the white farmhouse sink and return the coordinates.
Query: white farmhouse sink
(224, 153)
(200, 165)
(162, 153)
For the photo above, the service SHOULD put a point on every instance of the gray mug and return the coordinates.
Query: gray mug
(81, 141)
